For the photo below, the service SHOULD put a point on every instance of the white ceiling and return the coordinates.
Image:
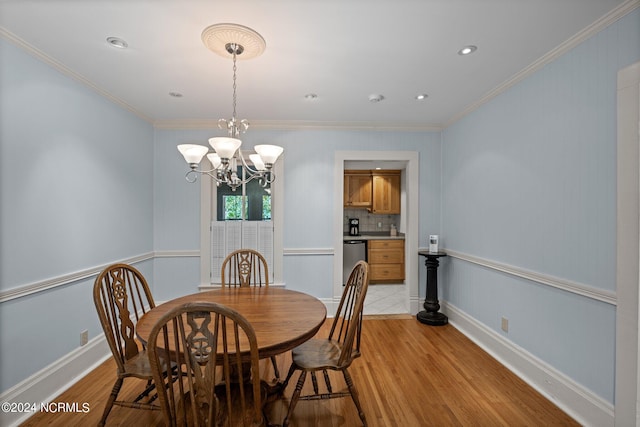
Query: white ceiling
(341, 50)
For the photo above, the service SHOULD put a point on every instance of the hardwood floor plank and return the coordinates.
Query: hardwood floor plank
(409, 375)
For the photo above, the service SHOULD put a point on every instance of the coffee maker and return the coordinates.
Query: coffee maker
(354, 226)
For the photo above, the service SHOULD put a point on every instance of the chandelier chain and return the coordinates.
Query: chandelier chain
(233, 118)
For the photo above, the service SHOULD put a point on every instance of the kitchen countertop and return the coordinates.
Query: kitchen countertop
(374, 235)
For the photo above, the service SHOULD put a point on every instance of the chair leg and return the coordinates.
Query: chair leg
(354, 395)
(327, 381)
(292, 369)
(314, 380)
(276, 372)
(112, 398)
(295, 397)
(147, 391)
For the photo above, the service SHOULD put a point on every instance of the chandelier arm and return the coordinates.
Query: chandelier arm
(250, 178)
(214, 174)
(192, 175)
(270, 177)
(247, 167)
(267, 178)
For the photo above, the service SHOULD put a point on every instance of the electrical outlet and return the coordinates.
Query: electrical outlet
(505, 324)
(84, 337)
(379, 225)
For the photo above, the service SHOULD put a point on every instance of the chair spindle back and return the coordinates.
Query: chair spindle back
(121, 295)
(245, 267)
(212, 344)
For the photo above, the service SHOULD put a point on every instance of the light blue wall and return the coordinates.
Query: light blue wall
(76, 193)
(529, 180)
(309, 208)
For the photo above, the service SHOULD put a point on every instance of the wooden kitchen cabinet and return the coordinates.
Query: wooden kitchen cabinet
(386, 260)
(357, 189)
(376, 190)
(386, 192)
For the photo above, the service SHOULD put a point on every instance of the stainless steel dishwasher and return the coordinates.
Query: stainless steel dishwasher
(352, 252)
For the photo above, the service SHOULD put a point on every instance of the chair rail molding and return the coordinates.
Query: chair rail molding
(602, 295)
(308, 251)
(177, 254)
(43, 285)
(66, 279)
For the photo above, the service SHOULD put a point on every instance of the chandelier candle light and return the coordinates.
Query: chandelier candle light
(234, 40)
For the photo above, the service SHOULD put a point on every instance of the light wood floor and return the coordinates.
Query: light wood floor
(409, 375)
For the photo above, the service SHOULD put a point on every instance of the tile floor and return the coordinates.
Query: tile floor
(385, 299)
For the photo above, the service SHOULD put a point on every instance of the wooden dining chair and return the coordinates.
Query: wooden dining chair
(247, 267)
(216, 389)
(121, 295)
(335, 352)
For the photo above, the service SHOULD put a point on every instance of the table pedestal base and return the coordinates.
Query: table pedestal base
(432, 318)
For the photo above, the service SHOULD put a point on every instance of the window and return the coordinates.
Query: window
(243, 220)
(256, 206)
(260, 229)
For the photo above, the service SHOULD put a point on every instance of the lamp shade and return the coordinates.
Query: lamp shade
(268, 153)
(192, 153)
(225, 146)
(214, 159)
(257, 162)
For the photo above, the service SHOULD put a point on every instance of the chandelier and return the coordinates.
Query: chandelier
(226, 157)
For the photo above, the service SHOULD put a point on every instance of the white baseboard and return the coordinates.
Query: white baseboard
(44, 386)
(416, 305)
(578, 402)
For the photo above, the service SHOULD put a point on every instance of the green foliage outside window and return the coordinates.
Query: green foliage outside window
(232, 206)
(266, 206)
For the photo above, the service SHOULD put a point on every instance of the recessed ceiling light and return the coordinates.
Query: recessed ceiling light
(467, 50)
(311, 96)
(175, 94)
(117, 42)
(421, 96)
(375, 97)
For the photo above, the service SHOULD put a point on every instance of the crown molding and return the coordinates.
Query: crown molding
(301, 125)
(606, 20)
(68, 71)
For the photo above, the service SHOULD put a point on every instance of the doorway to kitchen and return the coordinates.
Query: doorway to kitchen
(387, 298)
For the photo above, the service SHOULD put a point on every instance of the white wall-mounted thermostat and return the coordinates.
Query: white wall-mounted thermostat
(433, 243)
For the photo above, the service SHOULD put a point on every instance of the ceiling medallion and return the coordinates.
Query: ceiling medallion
(216, 37)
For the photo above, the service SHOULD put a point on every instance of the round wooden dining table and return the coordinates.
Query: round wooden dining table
(282, 318)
